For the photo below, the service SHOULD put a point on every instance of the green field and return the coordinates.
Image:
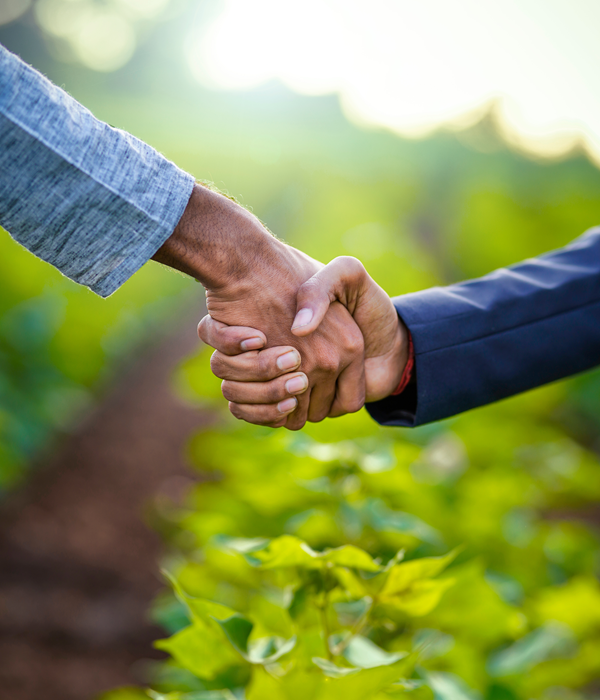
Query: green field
(516, 613)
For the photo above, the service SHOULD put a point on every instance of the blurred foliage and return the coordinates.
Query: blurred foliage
(59, 343)
(356, 561)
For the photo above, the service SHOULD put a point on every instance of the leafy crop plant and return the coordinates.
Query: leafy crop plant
(350, 561)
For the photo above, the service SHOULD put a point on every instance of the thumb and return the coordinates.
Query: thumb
(340, 280)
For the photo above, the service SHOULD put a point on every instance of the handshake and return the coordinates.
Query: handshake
(354, 350)
(294, 340)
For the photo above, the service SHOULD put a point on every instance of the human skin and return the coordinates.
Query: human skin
(252, 279)
(253, 380)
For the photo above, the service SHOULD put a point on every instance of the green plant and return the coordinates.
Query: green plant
(59, 343)
(306, 562)
(307, 612)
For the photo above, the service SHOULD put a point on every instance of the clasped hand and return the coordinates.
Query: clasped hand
(268, 383)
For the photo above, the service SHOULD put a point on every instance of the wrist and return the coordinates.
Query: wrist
(407, 361)
(398, 358)
(216, 241)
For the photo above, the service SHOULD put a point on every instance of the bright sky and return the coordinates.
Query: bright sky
(412, 65)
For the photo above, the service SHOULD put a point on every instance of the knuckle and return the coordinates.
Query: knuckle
(235, 411)
(354, 341)
(327, 360)
(275, 392)
(296, 426)
(356, 344)
(354, 406)
(352, 267)
(256, 415)
(217, 366)
(276, 424)
(330, 364)
(227, 344)
(312, 285)
(267, 417)
(227, 390)
(265, 367)
(317, 418)
(203, 329)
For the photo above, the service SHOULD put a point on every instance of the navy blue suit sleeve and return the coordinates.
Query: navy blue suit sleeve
(515, 329)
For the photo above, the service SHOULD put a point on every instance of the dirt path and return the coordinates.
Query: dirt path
(78, 566)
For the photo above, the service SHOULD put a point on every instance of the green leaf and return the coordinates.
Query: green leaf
(404, 575)
(547, 642)
(242, 545)
(353, 585)
(283, 552)
(447, 686)
(200, 649)
(237, 629)
(266, 650)
(333, 671)
(383, 519)
(350, 557)
(201, 610)
(297, 684)
(409, 684)
(420, 599)
(287, 551)
(269, 649)
(263, 686)
(364, 653)
(431, 643)
(363, 683)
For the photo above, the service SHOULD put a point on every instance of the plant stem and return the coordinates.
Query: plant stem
(361, 623)
(326, 631)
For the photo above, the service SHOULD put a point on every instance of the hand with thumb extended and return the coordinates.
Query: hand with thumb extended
(254, 378)
(386, 338)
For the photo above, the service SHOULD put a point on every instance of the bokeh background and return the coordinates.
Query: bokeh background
(435, 141)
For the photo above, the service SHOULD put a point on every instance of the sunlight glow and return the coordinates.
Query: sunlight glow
(101, 36)
(12, 9)
(413, 66)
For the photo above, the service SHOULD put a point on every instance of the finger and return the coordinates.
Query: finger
(339, 280)
(265, 392)
(297, 419)
(255, 365)
(273, 414)
(321, 399)
(230, 340)
(351, 389)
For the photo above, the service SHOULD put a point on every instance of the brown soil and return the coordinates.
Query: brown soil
(78, 565)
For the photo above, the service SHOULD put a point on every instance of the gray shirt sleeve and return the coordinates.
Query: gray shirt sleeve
(92, 200)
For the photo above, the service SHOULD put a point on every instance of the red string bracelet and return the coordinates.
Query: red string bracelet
(408, 370)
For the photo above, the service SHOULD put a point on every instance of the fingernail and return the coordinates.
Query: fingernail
(252, 344)
(287, 405)
(289, 360)
(296, 385)
(303, 317)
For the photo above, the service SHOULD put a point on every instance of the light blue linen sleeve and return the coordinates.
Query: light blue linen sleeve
(92, 200)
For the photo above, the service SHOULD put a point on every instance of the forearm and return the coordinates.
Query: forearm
(250, 276)
(91, 200)
(487, 339)
(217, 242)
